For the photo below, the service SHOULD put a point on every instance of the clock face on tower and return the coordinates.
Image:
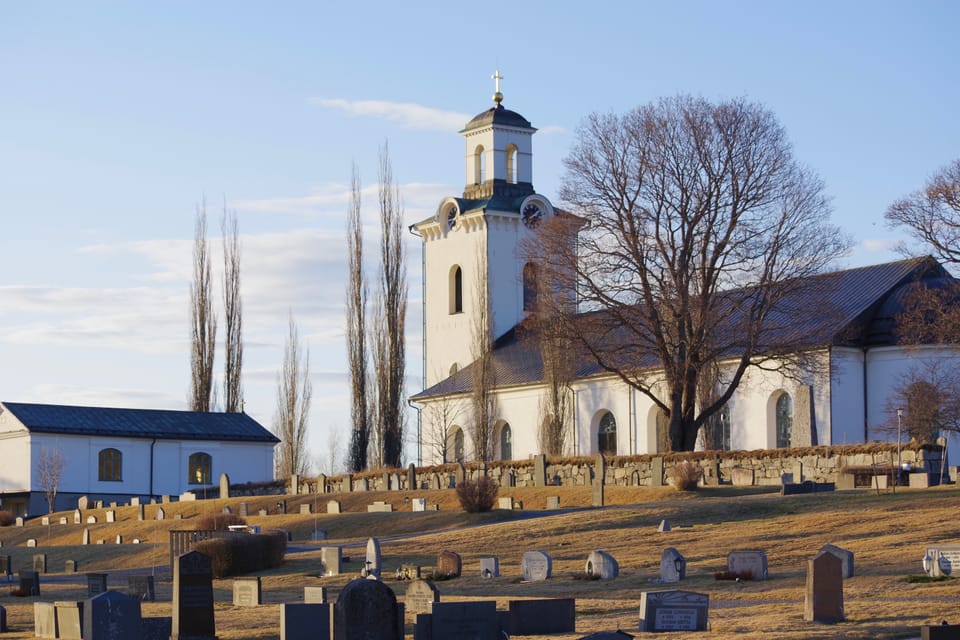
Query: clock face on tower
(531, 215)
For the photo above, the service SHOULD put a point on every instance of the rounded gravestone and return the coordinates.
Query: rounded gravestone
(602, 564)
(449, 564)
(536, 566)
(373, 558)
(673, 566)
(367, 610)
(420, 596)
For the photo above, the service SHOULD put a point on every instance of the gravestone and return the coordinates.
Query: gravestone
(45, 620)
(331, 561)
(31, 542)
(305, 509)
(98, 504)
(367, 610)
(188, 496)
(161, 514)
(243, 509)
(333, 506)
(418, 504)
(824, 592)
(504, 502)
(91, 519)
(602, 564)
(247, 592)
(656, 471)
(741, 477)
(224, 486)
(942, 560)
(112, 615)
(83, 502)
(673, 566)
(18, 522)
(135, 501)
(70, 566)
(45, 521)
(752, 562)
(536, 566)
(664, 526)
(322, 483)
(78, 516)
(490, 567)
(846, 558)
(69, 619)
(307, 621)
(29, 583)
(373, 559)
(40, 562)
(540, 470)
(459, 620)
(111, 516)
(192, 598)
(449, 564)
(262, 512)
(420, 596)
(141, 588)
(119, 539)
(553, 502)
(3, 620)
(96, 584)
(86, 536)
(942, 631)
(63, 520)
(673, 610)
(380, 507)
(140, 514)
(227, 510)
(599, 475)
(411, 477)
(164, 499)
(315, 595)
(6, 565)
(542, 617)
(460, 473)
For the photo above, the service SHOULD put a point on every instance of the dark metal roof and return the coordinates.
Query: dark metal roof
(498, 115)
(838, 308)
(139, 423)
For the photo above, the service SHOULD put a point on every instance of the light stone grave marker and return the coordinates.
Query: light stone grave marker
(664, 526)
(69, 619)
(752, 561)
(111, 516)
(418, 504)
(673, 566)
(315, 595)
(45, 521)
(31, 542)
(91, 519)
(490, 567)
(504, 502)
(673, 610)
(846, 558)
(331, 561)
(373, 559)
(536, 566)
(19, 521)
(602, 564)
(305, 509)
(941, 560)
(86, 536)
(421, 596)
(553, 502)
(77, 517)
(380, 507)
(247, 592)
(40, 562)
(45, 620)
(333, 506)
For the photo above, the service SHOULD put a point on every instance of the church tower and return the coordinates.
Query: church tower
(472, 245)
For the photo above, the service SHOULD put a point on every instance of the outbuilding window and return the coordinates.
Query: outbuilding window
(110, 465)
(200, 464)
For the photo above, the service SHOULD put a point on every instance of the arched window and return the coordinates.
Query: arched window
(458, 445)
(607, 435)
(530, 287)
(199, 468)
(512, 163)
(506, 442)
(784, 420)
(479, 160)
(111, 465)
(456, 290)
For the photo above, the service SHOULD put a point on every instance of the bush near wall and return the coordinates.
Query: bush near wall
(243, 553)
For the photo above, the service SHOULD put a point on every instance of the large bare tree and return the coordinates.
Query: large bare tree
(390, 318)
(233, 314)
(932, 214)
(686, 200)
(49, 473)
(203, 319)
(440, 417)
(357, 333)
(294, 392)
(483, 399)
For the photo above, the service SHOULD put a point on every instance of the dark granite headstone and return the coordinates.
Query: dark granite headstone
(3, 620)
(824, 592)
(192, 598)
(306, 621)
(940, 632)
(673, 610)
(367, 610)
(599, 473)
(112, 615)
(542, 617)
(30, 583)
(421, 596)
(461, 621)
(96, 584)
(449, 564)
(141, 588)
(6, 565)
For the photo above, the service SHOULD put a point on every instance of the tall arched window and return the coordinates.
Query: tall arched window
(784, 420)
(458, 445)
(110, 465)
(512, 163)
(456, 290)
(530, 287)
(607, 435)
(479, 160)
(506, 442)
(199, 468)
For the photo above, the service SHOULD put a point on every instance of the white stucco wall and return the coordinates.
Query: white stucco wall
(846, 395)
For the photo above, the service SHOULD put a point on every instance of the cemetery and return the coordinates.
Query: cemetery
(546, 564)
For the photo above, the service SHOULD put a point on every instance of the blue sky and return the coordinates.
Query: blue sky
(117, 119)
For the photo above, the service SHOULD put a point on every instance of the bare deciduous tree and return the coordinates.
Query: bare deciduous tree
(389, 327)
(294, 392)
(440, 417)
(929, 397)
(203, 319)
(233, 312)
(357, 334)
(687, 200)
(483, 399)
(932, 215)
(49, 473)
(931, 313)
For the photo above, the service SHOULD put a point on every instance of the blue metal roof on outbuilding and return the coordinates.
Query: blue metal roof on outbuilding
(139, 423)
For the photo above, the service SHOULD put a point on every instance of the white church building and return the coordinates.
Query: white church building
(474, 243)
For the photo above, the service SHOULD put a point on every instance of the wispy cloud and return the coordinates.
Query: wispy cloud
(551, 130)
(409, 115)
(879, 244)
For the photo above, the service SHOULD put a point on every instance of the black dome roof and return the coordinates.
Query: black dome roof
(498, 115)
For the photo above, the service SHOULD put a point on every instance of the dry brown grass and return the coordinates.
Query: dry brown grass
(887, 532)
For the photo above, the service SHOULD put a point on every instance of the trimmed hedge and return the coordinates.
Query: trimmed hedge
(243, 552)
(218, 521)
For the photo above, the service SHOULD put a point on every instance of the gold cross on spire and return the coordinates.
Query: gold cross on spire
(497, 96)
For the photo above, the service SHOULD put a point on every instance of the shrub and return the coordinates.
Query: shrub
(477, 496)
(243, 553)
(686, 475)
(218, 521)
(6, 518)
